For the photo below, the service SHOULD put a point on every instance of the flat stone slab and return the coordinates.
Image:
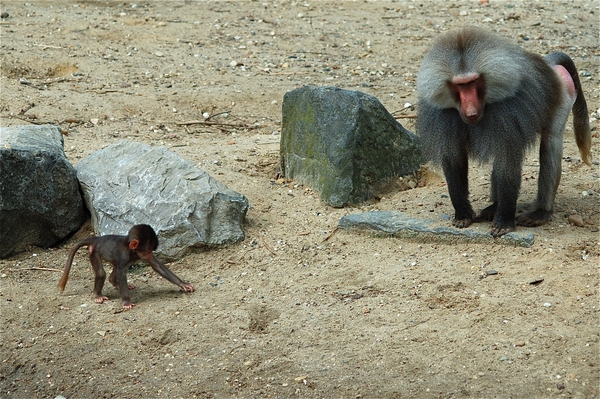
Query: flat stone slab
(400, 225)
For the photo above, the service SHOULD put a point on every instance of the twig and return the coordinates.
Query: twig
(267, 246)
(104, 91)
(243, 125)
(281, 73)
(416, 324)
(47, 269)
(230, 260)
(405, 117)
(26, 108)
(28, 120)
(72, 120)
(217, 114)
(47, 46)
(329, 235)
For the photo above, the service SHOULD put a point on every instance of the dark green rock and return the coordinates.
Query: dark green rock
(344, 144)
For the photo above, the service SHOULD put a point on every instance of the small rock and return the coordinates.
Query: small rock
(547, 304)
(520, 343)
(301, 378)
(491, 272)
(4, 15)
(576, 220)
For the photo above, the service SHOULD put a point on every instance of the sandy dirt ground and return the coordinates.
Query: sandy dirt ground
(297, 309)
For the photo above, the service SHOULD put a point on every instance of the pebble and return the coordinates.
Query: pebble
(547, 304)
(491, 272)
(520, 343)
(576, 220)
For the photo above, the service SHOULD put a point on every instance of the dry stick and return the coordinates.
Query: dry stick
(233, 262)
(220, 113)
(104, 91)
(28, 120)
(416, 324)
(329, 235)
(47, 269)
(267, 246)
(47, 46)
(405, 117)
(217, 124)
(283, 73)
(26, 108)
(68, 120)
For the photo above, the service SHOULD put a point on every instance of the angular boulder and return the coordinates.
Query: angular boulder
(344, 144)
(40, 202)
(130, 183)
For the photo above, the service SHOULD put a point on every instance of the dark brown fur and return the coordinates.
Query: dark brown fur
(121, 252)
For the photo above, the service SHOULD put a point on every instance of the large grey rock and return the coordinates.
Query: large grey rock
(344, 144)
(400, 225)
(40, 202)
(130, 183)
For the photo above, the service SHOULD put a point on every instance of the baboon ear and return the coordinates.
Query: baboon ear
(133, 244)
